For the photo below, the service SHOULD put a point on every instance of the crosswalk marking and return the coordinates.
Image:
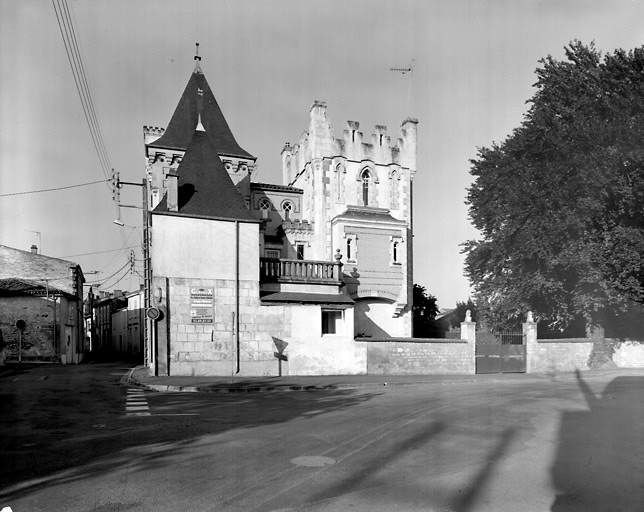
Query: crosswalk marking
(136, 404)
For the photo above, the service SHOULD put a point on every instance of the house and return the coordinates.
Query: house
(127, 328)
(262, 279)
(41, 307)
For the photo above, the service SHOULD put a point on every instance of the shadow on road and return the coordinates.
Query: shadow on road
(43, 444)
(600, 459)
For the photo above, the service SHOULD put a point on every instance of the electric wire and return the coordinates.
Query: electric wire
(53, 189)
(99, 252)
(88, 89)
(101, 281)
(82, 86)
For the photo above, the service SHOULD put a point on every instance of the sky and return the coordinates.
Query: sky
(473, 65)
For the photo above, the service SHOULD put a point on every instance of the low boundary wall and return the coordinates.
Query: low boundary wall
(567, 355)
(418, 356)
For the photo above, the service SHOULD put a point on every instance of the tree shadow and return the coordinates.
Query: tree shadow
(600, 458)
(47, 447)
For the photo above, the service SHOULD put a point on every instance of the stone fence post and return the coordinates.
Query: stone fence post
(530, 333)
(468, 332)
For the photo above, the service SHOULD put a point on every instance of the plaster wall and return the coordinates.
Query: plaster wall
(375, 317)
(200, 248)
(312, 353)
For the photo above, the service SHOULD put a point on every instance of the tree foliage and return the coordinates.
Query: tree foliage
(560, 203)
(424, 311)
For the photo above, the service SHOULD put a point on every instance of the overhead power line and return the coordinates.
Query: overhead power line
(99, 252)
(72, 49)
(53, 189)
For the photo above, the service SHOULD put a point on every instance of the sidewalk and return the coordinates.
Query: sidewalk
(141, 377)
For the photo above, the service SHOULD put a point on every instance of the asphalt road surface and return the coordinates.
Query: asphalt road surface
(75, 438)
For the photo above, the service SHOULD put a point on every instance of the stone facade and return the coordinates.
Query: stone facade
(357, 197)
(47, 294)
(420, 357)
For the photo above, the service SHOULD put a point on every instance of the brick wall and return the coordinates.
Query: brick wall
(419, 356)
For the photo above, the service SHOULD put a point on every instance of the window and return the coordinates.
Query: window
(288, 208)
(300, 251)
(332, 321)
(366, 179)
(272, 253)
(351, 248)
(396, 251)
(265, 206)
(394, 190)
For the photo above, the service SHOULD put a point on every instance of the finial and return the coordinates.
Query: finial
(197, 60)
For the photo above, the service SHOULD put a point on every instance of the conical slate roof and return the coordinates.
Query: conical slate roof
(204, 186)
(184, 121)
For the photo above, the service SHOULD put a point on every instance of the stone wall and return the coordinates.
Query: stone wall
(567, 355)
(210, 348)
(564, 355)
(419, 356)
(38, 340)
(629, 354)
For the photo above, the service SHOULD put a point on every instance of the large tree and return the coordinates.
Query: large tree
(560, 203)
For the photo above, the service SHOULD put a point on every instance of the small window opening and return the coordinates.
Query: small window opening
(332, 321)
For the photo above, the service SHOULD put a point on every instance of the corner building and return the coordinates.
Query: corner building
(264, 279)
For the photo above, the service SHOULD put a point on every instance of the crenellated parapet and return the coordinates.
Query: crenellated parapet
(319, 142)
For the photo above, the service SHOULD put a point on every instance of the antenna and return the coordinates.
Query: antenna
(39, 239)
(408, 70)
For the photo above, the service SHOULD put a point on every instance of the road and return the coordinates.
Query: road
(75, 438)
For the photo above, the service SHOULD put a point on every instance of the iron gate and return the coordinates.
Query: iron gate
(503, 352)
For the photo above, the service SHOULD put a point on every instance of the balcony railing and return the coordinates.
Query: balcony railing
(299, 271)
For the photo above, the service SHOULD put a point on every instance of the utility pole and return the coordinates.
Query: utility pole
(117, 184)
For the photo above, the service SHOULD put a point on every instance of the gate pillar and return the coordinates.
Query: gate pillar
(530, 333)
(468, 332)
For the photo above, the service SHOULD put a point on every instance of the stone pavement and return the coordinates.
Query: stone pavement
(141, 377)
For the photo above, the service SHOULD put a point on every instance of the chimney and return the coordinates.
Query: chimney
(173, 192)
(34, 249)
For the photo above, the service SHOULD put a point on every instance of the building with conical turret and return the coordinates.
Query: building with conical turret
(263, 279)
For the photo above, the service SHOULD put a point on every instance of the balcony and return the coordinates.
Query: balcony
(274, 270)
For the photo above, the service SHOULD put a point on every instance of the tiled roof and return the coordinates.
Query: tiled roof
(182, 125)
(15, 286)
(204, 186)
(26, 265)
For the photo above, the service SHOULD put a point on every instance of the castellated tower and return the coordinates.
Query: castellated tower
(357, 195)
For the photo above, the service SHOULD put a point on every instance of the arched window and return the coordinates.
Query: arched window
(288, 209)
(366, 180)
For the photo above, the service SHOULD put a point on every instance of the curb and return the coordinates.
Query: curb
(167, 388)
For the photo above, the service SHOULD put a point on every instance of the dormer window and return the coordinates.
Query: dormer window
(288, 209)
(265, 206)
